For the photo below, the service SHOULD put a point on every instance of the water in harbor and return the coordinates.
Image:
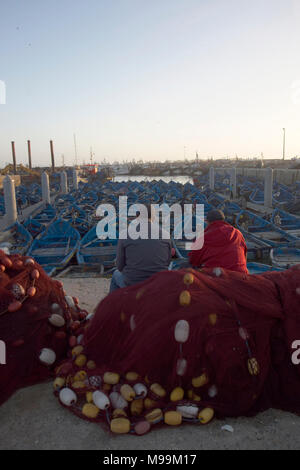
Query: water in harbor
(178, 179)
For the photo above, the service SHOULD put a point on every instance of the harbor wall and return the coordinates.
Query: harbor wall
(283, 176)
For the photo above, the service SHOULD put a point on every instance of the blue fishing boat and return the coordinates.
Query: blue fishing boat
(56, 246)
(182, 239)
(286, 221)
(15, 239)
(94, 251)
(46, 215)
(34, 227)
(253, 268)
(259, 268)
(285, 256)
(248, 222)
(257, 196)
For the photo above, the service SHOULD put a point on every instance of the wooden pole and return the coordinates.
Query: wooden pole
(52, 156)
(29, 154)
(14, 157)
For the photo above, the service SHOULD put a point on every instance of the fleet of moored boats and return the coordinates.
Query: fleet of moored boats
(65, 231)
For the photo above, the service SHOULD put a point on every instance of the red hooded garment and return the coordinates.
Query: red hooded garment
(224, 246)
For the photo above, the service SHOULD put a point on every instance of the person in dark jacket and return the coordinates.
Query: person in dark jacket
(224, 246)
(137, 260)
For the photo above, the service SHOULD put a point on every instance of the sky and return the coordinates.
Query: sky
(151, 80)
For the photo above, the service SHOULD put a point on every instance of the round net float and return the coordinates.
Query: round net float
(56, 308)
(117, 400)
(18, 291)
(89, 397)
(185, 298)
(79, 339)
(158, 390)
(177, 394)
(212, 319)
(122, 317)
(142, 427)
(206, 415)
(18, 264)
(140, 293)
(181, 367)
(120, 425)
(70, 301)
(148, 403)
(72, 341)
(95, 380)
(136, 407)
(193, 396)
(131, 376)
(173, 418)
(91, 365)
(14, 306)
(59, 383)
(212, 391)
(6, 262)
(47, 356)
(188, 411)
(118, 413)
(80, 375)
(140, 390)
(90, 410)
(154, 416)
(132, 323)
(253, 366)
(188, 278)
(2, 267)
(60, 335)
(31, 291)
(75, 325)
(78, 384)
(218, 272)
(80, 360)
(127, 392)
(56, 320)
(111, 378)
(101, 400)
(76, 350)
(243, 333)
(29, 262)
(35, 274)
(67, 396)
(182, 331)
(200, 381)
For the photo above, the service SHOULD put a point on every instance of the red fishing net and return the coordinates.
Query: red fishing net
(185, 345)
(37, 323)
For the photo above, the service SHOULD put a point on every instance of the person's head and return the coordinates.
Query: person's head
(215, 215)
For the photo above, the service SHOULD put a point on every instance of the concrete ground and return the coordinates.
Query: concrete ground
(33, 418)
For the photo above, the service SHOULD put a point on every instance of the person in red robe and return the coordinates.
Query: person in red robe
(224, 246)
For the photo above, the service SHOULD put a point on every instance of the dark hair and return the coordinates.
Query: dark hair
(214, 215)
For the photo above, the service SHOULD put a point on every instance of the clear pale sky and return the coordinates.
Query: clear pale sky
(146, 78)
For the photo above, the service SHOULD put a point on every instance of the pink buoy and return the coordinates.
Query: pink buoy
(35, 274)
(142, 427)
(31, 291)
(14, 306)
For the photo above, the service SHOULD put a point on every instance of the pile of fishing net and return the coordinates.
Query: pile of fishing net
(38, 322)
(185, 346)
